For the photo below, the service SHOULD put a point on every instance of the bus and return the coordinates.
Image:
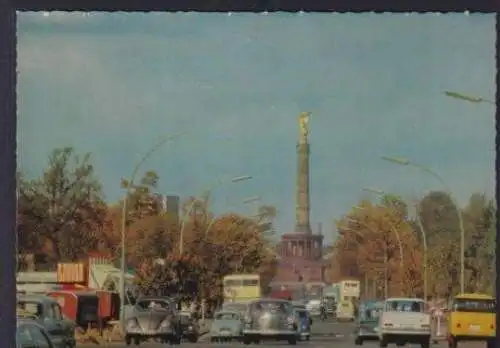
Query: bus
(349, 290)
(241, 287)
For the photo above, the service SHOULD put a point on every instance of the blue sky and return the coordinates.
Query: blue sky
(114, 84)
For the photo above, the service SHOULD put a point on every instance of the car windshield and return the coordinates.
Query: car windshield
(226, 316)
(474, 305)
(237, 307)
(404, 306)
(29, 307)
(152, 304)
(271, 306)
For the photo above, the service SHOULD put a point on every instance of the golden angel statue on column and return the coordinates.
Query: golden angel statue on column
(303, 123)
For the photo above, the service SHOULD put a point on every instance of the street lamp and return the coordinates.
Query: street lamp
(197, 201)
(407, 162)
(135, 170)
(422, 231)
(468, 98)
(215, 218)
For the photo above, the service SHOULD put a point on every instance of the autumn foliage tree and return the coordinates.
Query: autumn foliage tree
(368, 230)
(370, 244)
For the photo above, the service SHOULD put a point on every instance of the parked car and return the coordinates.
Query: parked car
(154, 317)
(304, 322)
(189, 326)
(30, 334)
(47, 312)
(227, 326)
(270, 319)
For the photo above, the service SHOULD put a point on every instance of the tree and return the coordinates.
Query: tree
(370, 235)
(61, 210)
(439, 218)
(479, 218)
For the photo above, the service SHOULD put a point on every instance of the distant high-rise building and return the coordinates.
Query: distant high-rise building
(170, 205)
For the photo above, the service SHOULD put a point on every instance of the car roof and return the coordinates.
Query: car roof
(414, 299)
(36, 298)
(156, 298)
(229, 311)
(270, 300)
(474, 296)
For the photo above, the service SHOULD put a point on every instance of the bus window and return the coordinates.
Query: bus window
(473, 305)
(233, 282)
(250, 282)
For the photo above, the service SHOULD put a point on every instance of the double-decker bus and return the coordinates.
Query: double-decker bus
(349, 290)
(241, 287)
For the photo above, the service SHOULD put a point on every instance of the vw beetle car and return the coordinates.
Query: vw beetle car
(270, 319)
(227, 325)
(154, 317)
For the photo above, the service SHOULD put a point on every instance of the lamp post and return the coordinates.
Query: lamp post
(406, 162)
(468, 98)
(422, 231)
(215, 218)
(196, 201)
(135, 170)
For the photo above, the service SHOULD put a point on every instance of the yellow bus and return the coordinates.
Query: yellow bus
(241, 287)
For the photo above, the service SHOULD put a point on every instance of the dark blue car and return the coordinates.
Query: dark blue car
(304, 322)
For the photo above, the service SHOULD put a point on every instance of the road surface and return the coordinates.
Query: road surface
(324, 335)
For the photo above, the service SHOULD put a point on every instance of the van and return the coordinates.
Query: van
(472, 318)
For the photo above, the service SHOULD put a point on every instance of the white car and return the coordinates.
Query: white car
(403, 321)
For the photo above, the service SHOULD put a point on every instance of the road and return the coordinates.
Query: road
(324, 335)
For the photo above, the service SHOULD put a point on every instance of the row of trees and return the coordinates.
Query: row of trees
(371, 236)
(63, 215)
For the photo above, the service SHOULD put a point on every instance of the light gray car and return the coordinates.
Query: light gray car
(270, 319)
(154, 317)
(227, 326)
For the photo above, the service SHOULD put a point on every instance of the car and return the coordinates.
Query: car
(227, 326)
(240, 307)
(189, 326)
(270, 319)
(304, 322)
(403, 321)
(30, 334)
(154, 317)
(47, 312)
(367, 321)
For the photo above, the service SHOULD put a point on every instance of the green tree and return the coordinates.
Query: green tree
(63, 209)
(479, 218)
